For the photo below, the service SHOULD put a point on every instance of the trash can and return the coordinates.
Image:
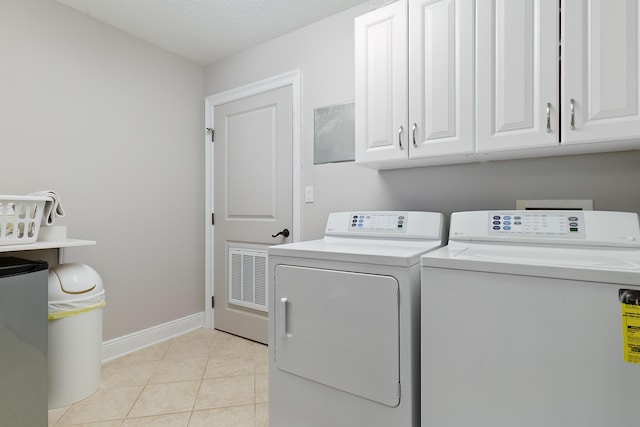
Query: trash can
(76, 301)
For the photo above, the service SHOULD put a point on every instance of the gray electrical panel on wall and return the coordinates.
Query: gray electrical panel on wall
(334, 134)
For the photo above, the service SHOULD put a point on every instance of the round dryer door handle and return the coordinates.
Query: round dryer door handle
(284, 233)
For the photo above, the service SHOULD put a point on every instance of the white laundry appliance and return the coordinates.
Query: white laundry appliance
(530, 319)
(344, 322)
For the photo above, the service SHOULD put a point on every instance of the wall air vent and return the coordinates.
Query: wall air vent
(248, 278)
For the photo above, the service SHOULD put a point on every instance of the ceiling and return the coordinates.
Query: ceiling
(204, 31)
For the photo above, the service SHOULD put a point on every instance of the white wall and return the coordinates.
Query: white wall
(324, 54)
(116, 127)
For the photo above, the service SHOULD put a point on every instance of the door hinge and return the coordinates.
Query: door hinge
(212, 219)
(212, 132)
(212, 301)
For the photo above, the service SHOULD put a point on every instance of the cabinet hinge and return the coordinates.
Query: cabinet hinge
(212, 219)
(212, 132)
(212, 301)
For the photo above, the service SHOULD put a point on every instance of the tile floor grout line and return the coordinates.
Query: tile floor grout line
(142, 390)
(193, 407)
(134, 402)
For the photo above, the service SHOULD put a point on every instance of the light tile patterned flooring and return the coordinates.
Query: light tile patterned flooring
(200, 379)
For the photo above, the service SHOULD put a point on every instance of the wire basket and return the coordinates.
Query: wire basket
(20, 219)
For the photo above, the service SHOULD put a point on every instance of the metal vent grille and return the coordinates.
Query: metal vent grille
(248, 278)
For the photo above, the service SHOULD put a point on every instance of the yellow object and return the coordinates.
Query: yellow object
(631, 332)
(61, 314)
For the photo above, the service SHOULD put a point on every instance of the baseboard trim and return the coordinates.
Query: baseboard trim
(126, 344)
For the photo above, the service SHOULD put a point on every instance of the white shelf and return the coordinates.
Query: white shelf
(54, 244)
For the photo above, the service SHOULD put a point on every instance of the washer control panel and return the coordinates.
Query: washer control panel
(547, 227)
(537, 224)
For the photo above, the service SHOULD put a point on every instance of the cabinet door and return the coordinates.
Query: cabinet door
(517, 74)
(600, 70)
(441, 78)
(381, 84)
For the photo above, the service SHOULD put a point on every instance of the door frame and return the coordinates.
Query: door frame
(291, 78)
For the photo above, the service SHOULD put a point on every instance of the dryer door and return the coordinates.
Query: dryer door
(340, 329)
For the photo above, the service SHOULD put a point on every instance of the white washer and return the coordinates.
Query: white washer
(344, 319)
(530, 318)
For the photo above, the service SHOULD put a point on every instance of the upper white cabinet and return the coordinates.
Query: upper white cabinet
(601, 92)
(441, 52)
(517, 74)
(449, 81)
(381, 84)
(414, 83)
(540, 88)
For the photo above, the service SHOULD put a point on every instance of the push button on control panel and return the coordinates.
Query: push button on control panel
(505, 222)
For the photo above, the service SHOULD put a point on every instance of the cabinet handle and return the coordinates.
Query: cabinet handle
(400, 138)
(548, 117)
(413, 132)
(573, 114)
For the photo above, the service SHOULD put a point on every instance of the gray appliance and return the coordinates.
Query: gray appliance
(23, 342)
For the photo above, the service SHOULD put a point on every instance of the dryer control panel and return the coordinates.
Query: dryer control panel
(401, 225)
(373, 221)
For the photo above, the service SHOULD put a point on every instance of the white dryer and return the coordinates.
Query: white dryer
(344, 322)
(531, 318)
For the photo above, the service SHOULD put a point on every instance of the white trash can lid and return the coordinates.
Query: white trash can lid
(72, 281)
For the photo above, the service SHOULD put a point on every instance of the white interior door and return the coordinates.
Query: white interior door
(253, 157)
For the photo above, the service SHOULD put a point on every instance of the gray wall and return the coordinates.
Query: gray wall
(324, 54)
(116, 127)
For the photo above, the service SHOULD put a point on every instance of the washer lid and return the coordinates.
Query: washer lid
(613, 265)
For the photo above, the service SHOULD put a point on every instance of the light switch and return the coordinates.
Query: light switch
(308, 194)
